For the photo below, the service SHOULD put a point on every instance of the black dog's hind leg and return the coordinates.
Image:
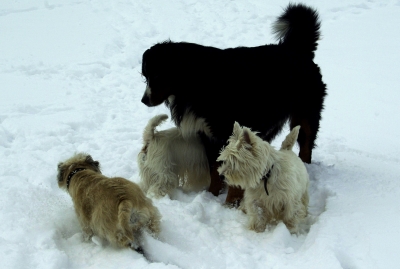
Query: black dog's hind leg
(309, 121)
(307, 113)
(307, 136)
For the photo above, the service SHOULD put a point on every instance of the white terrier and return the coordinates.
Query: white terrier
(275, 182)
(168, 161)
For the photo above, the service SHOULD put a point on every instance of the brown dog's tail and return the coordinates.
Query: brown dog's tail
(290, 139)
(148, 133)
(298, 29)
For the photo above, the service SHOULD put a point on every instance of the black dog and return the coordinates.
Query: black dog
(207, 89)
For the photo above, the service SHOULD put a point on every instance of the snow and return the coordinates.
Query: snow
(70, 82)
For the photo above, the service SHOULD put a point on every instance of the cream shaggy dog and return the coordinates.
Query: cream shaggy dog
(114, 209)
(249, 162)
(168, 161)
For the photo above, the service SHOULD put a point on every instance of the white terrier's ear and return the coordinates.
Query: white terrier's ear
(247, 136)
(237, 130)
(245, 139)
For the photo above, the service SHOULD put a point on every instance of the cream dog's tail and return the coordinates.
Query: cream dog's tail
(148, 133)
(290, 139)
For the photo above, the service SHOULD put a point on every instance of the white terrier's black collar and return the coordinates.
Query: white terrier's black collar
(265, 178)
(72, 174)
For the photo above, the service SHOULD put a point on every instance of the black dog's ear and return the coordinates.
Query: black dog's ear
(144, 63)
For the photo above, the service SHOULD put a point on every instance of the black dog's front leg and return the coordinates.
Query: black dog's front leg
(212, 147)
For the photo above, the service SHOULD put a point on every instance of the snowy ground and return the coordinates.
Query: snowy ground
(70, 81)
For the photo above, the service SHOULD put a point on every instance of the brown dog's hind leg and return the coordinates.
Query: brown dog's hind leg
(124, 235)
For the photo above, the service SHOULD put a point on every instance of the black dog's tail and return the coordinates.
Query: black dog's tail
(298, 28)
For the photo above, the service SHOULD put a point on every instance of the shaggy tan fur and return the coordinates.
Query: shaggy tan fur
(114, 209)
(168, 161)
(247, 159)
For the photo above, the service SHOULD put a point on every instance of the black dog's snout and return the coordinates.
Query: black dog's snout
(146, 100)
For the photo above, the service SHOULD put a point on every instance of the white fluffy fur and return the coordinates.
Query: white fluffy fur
(167, 160)
(247, 158)
(192, 124)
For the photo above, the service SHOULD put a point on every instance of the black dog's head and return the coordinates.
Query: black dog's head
(160, 67)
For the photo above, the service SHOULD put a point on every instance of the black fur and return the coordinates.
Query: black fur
(259, 87)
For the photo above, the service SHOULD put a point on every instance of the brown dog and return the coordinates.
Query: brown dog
(114, 209)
